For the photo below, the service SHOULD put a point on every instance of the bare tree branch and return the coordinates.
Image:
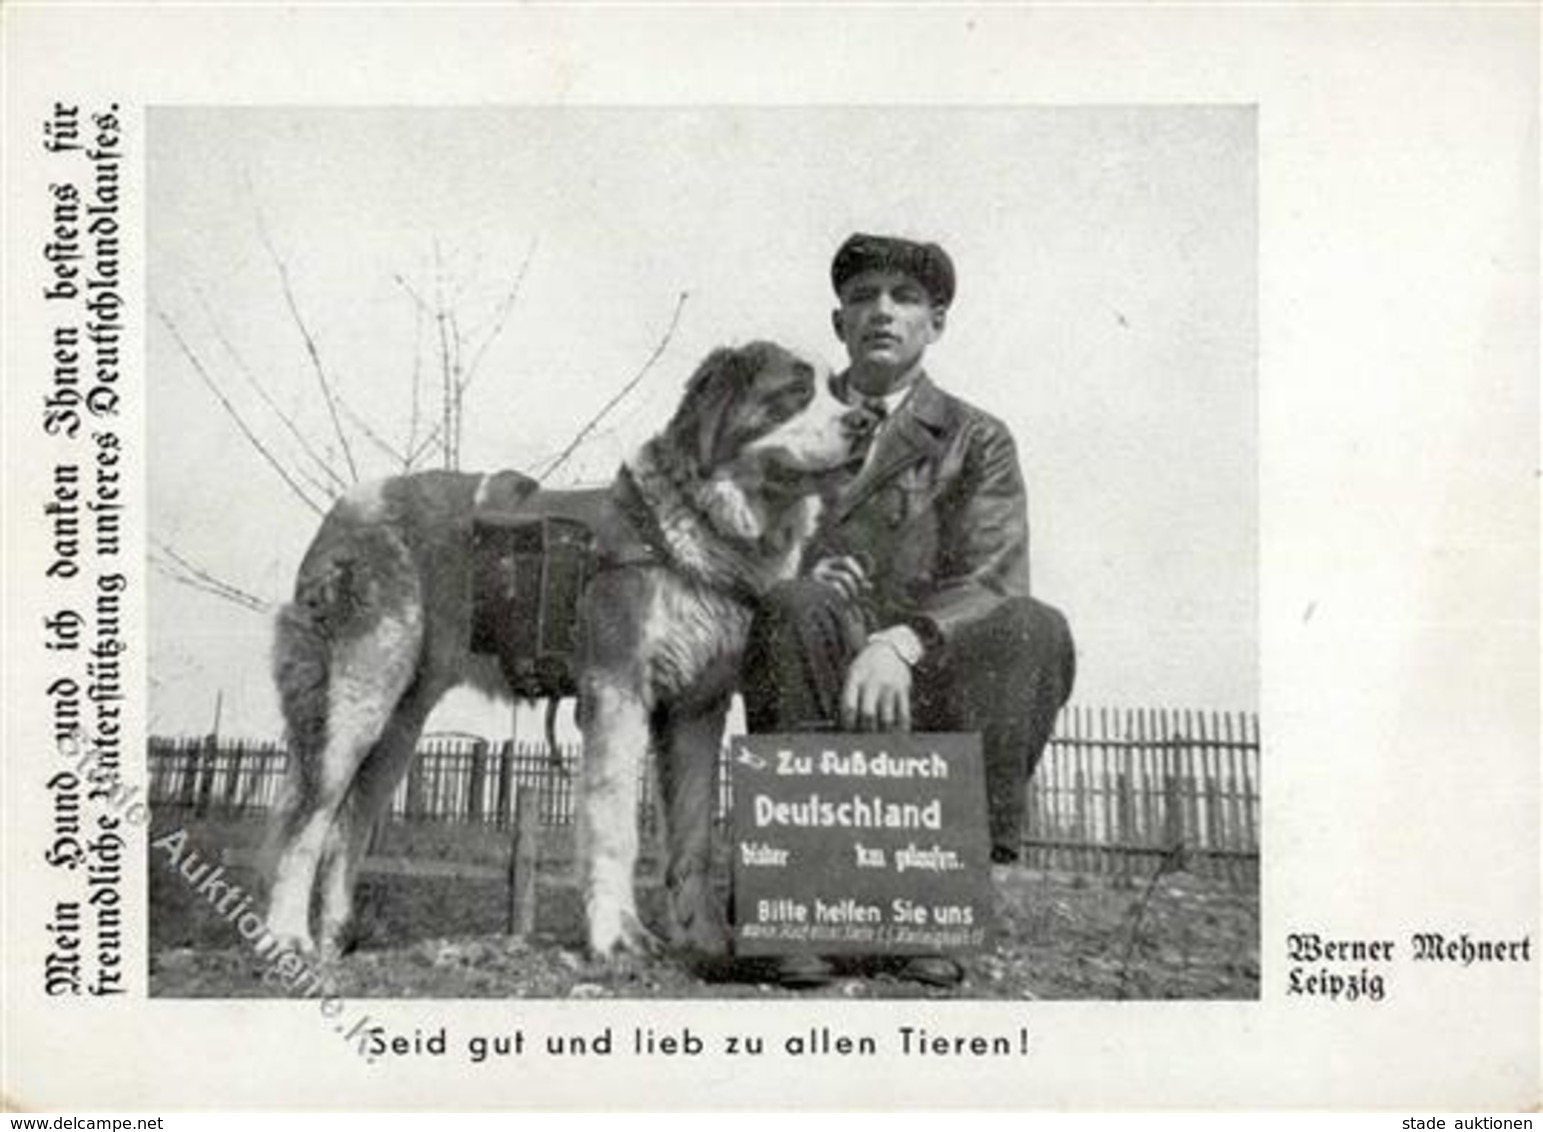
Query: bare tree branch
(422, 309)
(446, 393)
(326, 490)
(432, 440)
(194, 583)
(562, 457)
(310, 344)
(457, 389)
(446, 389)
(251, 437)
(417, 299)
(501, 315)
(190, 574)
(246, 371)
(446, 434)
(392, 454)
(462, 276)
(412, 425)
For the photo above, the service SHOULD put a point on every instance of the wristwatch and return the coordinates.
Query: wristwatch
(907, 639)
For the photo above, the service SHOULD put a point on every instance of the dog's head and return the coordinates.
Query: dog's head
(768, 412)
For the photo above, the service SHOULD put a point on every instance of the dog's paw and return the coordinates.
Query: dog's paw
(625, 935)
(298, 943)
(337, 939)
(698, 923)
(290, 964)
(702, 932)
(332, 950)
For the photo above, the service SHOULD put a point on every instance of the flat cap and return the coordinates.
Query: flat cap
(928, 264)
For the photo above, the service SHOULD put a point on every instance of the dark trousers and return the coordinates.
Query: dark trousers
(1006, 678)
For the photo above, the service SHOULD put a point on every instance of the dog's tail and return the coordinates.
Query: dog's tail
(301, 674)
(303, 637)
(302, 671)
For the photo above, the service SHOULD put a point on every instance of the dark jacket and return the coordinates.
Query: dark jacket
(938, 517)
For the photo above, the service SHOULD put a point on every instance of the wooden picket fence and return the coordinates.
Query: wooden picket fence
(451, 779)
(1117, 791)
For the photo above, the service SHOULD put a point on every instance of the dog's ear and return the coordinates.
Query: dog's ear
(703, 423)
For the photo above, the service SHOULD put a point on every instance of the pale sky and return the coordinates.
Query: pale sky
(1107, 263)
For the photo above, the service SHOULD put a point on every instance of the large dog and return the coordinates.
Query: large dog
(709, 514)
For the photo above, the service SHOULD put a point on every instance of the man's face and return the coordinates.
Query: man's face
(887, 320)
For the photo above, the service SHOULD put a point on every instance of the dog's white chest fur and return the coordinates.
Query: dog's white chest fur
(693, 641)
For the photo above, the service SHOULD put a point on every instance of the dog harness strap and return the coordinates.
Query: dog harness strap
(649, 547)
(646, 546)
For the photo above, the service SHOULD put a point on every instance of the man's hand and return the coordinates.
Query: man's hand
(877, 696)
(845, 573)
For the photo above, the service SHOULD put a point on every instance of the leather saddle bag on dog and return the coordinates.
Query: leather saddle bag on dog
(528, 576)
(533, 553)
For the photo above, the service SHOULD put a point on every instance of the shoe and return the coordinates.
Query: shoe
(931, 970)
(802, 972)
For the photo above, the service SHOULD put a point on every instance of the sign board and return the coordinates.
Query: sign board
(860, 844)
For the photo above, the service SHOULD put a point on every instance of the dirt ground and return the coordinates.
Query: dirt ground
(1058, 936)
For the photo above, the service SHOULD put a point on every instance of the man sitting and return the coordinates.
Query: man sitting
(915, 608)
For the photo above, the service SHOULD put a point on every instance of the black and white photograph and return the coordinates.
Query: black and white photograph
(763, 559)
(506, 464)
